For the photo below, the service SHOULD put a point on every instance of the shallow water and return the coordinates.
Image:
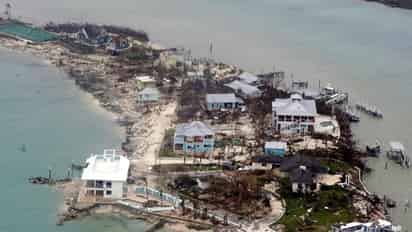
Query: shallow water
(58, 123)
(361, 47)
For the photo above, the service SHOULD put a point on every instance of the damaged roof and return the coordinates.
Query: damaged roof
(195, 128)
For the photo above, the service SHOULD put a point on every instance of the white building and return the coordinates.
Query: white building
(376, 226)
(294, 115)
(106, 175)
(226, 101)
(148, 95)
(243, 89)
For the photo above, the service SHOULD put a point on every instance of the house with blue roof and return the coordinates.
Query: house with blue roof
(193, 137)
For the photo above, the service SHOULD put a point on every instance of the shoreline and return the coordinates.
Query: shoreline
(143, 161)
(146, 157)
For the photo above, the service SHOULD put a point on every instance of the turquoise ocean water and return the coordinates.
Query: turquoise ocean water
(364, 48)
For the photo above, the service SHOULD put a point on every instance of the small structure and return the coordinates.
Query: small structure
(294, 115)
(276, 148)
(148, 95)
(226, 101)
(377, 226)
(303, 173)
(328, 90)
(146, 81)
(194, 137)
(243, 89)
(105, 175)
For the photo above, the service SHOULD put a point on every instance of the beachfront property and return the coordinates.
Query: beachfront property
(227, 101)
(293, 115)
(277, 148)
(377, 226)
(303, 173)
(93, 35)
(148, 95)
(106, 175)
(243, 89)
(193, 137)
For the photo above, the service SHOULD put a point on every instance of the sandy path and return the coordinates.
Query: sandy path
(158, 123)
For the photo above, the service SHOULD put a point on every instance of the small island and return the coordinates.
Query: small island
(208, 146)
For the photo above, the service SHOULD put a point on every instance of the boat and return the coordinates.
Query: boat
(23, 148)
(337, 98)
(374, 150)
(351, 115)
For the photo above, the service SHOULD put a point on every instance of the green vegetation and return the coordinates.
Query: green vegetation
(228, 141)
(335, 166)
(315, 212)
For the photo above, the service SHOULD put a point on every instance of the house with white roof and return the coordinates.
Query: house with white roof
(294, 115)
(148, 95)
(222, 101)
(106, 175)
(244, 89)
(248, 78)
(194, 137)
(379, 225)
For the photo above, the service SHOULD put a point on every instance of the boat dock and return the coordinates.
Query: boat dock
(398, 154)
(370, 110)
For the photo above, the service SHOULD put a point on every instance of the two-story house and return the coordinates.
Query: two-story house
(293, 115)
(194, 137)
(106, 175)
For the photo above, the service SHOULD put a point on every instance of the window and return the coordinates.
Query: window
(198, 139)
(99, 184)
(281, 118)
(288, 118)
(109, 184)
(109, 192)
(178, 147)
(90, 184)
(209, 137)
(188, 139)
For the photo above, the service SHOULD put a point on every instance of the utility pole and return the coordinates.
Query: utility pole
(7, 12)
